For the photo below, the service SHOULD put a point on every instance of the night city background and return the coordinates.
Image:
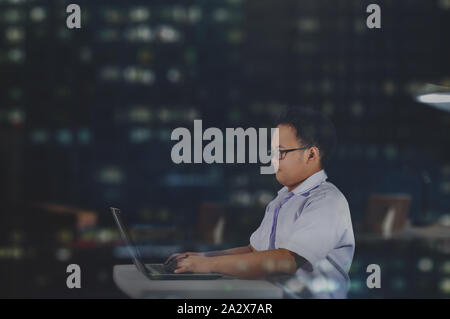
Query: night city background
(86, 117)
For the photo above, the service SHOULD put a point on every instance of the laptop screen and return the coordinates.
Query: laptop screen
(134, 252)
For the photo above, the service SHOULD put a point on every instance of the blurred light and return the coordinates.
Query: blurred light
(11, 253)
(39, 137)
(174, 75)
(139, 14)
(194, 14)
(63, 254)
(14, 34)
(38, 14)
(356, 286)
(12, 16)
(357, 109)
(389, 87)
(321, 284)
(16, 116)
(16, 55)
(437, 96)
(139, 135)
(112, 15)
(241, 198)
(264, 198)
(308, 24)
(445, 267)
(85, 54)
(138, 75)
(295, 285)
(16, 1)
(444, 4)
(359, 25)
(235, 36)
(179, 14)
(439, 100)
(164, 135)
(108, 35)
(221, 15)
(84, 136)
(139, 33)
(168, 34)
(110, 73)
(445, 187)
(390, 152)
(140, 114)
(445, 285)
(64, 33)
(398, 283)
(425, 264)
(444, 220)
(64, 136)
(165, 115)
(106, 235)
(111, 175)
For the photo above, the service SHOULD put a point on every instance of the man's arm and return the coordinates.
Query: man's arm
(256, 264)
(232, 251)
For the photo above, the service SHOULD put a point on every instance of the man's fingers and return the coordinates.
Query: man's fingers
(180, 270)
(170, 257)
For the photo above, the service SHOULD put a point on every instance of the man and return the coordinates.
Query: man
(307, 228)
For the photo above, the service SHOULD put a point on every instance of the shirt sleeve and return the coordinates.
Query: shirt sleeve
(256, 239)
(316, 231)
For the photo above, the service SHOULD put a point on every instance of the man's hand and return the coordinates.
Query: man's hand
(193, 263)
(178, 256)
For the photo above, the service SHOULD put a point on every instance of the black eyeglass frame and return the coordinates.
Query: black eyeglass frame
(283, 153)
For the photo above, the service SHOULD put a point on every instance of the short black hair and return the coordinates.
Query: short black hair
(312, 129)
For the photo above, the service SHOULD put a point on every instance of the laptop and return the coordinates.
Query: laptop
(386, 214)
(153, 271)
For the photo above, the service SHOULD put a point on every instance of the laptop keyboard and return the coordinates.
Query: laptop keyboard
(159, 268)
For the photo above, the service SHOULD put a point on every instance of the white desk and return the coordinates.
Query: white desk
(136, 285)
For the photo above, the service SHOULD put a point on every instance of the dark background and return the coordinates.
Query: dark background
(86, 117)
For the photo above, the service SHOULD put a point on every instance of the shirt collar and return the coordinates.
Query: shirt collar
(314, 180)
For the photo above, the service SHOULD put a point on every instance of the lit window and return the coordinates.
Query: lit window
(38, 14)
(64, 137)
(140, 114)
(108, 35)
(111, 175)
(139, 135)
(139, 33)
(14, 34)
(12, 16)
(84, 136)
(139, 14)
(168, 34)
(174, 75)
(221, 15)
(194, 14)
(16, 55)
(308, 25)
(110, 73)
(39, 137)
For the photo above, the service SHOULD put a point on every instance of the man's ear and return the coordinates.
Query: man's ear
(313, 152)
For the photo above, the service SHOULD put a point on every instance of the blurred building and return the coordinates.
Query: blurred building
(86, 117)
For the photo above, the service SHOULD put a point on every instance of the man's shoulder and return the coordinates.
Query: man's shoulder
(328, 193)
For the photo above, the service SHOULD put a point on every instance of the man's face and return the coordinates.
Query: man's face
(292, 168)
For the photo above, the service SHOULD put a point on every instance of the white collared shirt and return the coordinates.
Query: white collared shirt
(316, 225)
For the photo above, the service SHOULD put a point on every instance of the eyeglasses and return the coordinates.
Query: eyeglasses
(282, 153)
